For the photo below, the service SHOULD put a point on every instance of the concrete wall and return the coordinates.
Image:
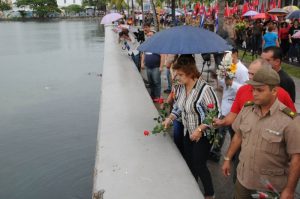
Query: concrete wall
(128, 164)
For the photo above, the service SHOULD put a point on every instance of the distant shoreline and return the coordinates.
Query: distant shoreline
(82, 18)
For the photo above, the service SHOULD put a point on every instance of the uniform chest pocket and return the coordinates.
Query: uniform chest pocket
(245, 130)
(271, 142)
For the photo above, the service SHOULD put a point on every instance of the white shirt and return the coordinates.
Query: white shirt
(228, 97)
(140, 17)
(241, 74)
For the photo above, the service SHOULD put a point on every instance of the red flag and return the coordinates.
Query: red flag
(262, 9)
(245, 8)
(251, 6)
(202, 9)
(209, 11)
(216, 8)
(227, 11)
(197, 8)
(272, 4)
(235, 7)
(279, 4)
(255, 2)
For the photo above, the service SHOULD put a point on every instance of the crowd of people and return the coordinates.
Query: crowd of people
(255, 35)
(257, 110)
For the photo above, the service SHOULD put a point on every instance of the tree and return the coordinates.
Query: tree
(156, 24)
(74, 8)
(119, 4)
(42, 8)
(4, 6)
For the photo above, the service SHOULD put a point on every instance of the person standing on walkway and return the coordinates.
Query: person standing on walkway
(154, 65)
(169, 60)
(294, 50)
(274, 55)
(241, 74)
(268, 134)
(194, 96)
(244, 94)
(270, 38)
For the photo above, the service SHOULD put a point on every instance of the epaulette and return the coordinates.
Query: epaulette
(289, 113)
(249, 103)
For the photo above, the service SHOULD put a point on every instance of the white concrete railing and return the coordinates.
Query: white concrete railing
(128, 164)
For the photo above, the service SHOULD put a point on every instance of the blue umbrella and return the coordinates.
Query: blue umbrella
(294, 15)
(184, 40)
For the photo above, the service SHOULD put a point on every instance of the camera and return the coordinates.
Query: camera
(140, 36)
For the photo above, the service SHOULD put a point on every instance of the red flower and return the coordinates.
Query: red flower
(146, 133)
(161, 100)
(263, 195)
(270, 187)
(210, 106)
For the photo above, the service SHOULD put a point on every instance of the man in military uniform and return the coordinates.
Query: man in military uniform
(269, 136)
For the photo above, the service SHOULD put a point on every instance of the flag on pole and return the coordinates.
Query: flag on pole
(202, 12)
(227, 11)
(262, 8)
(216, 22)
(279, 4)
(245, 7)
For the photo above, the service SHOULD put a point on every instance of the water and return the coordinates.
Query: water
(49, 106)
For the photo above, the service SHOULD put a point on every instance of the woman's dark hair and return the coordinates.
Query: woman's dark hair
(270, 28)
(187, 64)
(277, 52)
(284, 25)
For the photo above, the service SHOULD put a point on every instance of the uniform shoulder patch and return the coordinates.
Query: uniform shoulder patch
(249, 103)
(289, 112)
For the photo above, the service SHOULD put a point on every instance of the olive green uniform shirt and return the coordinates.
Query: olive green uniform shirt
(267, 143)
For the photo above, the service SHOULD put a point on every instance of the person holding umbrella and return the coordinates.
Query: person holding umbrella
(194, 97)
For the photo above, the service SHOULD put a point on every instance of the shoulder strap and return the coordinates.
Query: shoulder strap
(289, 113)
(249, 103)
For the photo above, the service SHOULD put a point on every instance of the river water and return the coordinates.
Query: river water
(49, 108)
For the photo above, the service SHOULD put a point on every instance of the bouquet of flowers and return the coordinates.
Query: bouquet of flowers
(227, 69)
(240, 26)
(211, 133)
(271, 194)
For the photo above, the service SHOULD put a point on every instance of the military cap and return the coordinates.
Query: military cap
(265, 76)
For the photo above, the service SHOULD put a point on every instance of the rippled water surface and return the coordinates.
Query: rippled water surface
(49, 106)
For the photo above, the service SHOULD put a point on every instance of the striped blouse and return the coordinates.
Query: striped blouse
(193, 108)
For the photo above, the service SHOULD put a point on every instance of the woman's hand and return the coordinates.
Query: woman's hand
(196, 135)
(167, 122)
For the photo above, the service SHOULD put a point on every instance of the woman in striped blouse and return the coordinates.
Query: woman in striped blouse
(194, 94)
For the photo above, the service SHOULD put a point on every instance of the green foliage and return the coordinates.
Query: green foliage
(162, 116)
(42, 8)
(211, 133)
(119, 4)
(74, 8)
(288, 68)
(98, 4)
(4, 6)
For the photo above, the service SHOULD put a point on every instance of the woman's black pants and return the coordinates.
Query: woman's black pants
(196, 155)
